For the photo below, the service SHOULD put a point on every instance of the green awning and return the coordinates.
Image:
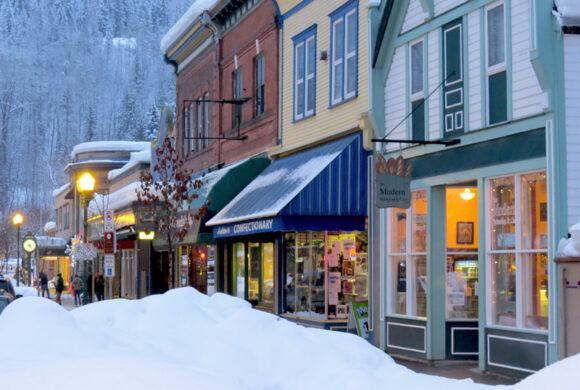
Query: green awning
(220, 187)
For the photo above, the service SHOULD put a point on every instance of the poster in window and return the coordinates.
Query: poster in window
(348, 268)
(347, 287)
(543, 212)
(362, 263)
(464, 233)
(360, 285)
(341, 311)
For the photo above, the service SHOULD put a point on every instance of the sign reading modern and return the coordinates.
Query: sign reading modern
(392, 183)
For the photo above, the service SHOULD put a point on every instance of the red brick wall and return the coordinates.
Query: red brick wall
(213, 71)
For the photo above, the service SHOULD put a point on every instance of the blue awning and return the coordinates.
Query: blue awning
(327, 184)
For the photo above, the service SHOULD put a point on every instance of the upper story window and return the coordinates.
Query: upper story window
(417, 94)
(305, 73)
(188, 130)
(344, 53)
(259, 81)
(453, 75)
(199, 125)
(496, 63)
(237, 94)
(206, 121)
(66, 216)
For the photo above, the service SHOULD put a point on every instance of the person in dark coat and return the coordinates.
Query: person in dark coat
(100, 287)
(44, 284)
(90, 287)
(59, 288)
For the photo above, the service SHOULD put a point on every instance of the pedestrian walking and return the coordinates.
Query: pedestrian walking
(90, 287)
(44, 284)
(59, 288)
(78, 286)
(99, 287)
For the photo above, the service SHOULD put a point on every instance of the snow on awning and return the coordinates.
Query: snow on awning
(329, 180)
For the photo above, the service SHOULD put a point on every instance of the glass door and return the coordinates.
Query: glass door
(239, 270)
(462, 272)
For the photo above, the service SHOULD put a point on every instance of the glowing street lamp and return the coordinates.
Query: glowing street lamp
(17, 220)
(86, 186)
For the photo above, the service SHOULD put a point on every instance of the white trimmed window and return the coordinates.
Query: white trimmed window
(344, 53)
(517, 251)
(496, 63)
(407, 258)
(305, 73)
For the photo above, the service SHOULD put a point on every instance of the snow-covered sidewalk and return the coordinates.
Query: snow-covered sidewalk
(187, 340)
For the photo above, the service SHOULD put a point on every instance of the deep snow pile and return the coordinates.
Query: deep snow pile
(186, 340)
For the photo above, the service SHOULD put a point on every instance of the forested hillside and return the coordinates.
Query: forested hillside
(73, 71)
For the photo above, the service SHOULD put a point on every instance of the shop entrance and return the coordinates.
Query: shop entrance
(253, 272)
(462, 271)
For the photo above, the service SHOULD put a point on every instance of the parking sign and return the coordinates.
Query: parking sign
(109, 218)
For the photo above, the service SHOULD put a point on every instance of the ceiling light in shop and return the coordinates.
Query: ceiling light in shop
(467, 194)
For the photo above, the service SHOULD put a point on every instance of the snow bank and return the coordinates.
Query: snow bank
(185, 21)
(184, 339)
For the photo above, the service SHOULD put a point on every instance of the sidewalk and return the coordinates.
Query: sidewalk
(457, 370)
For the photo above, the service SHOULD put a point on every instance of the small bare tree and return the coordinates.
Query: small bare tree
(168, 190)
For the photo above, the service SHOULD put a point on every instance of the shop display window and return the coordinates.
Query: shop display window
(325, 271)
(518, 251)
(407, 256)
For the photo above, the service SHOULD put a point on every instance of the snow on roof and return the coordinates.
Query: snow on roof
(50, 242)
(51, 225)
(60, 190)
(142, 157)
(117, 200)
(568, 13)
(185, 21)
(109, 146)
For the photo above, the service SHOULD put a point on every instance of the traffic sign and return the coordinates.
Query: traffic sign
(109, 262)
(109, 218)
(109, 243)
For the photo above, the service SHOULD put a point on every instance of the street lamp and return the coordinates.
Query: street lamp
(17, 220)
(86, 186)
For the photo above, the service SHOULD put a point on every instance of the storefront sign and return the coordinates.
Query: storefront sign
(242, 228)
(392, 183)
(360, 313)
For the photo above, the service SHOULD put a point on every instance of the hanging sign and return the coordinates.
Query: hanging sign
(392, 183)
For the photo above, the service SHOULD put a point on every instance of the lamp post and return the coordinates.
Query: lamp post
(17, 220)
(86, 186)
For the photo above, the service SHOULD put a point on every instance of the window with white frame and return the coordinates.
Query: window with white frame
(206, 121)
(259, 85)
(199, 125)
(453, 86)
(304, 73)
(416, 69)
(344, 53)
(407, 258)
(237, 94)
(517, 247)
(496, 63)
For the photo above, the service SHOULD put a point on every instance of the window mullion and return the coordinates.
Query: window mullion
(410, 271)
(519, 260)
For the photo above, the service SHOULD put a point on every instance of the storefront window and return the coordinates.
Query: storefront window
(408, 229)
(504, 289)
(519, 251)
(503, 213)
(309, 257)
